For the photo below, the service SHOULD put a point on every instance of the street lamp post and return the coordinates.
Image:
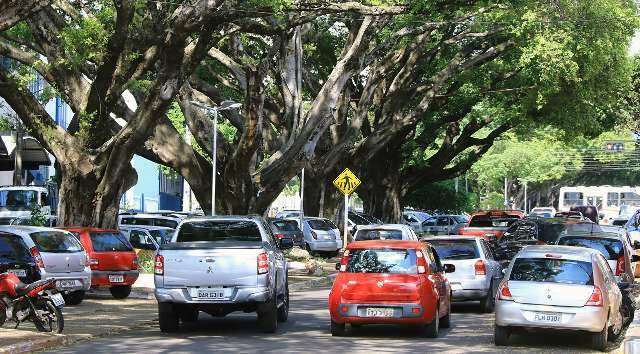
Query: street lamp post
(224, 106)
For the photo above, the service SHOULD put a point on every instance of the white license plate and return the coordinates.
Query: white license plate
(379, 312)
(67, 284)
(211, 294)
(18, 272)
(57, 299)
(548, 317)
(116, 279)
(456, 287)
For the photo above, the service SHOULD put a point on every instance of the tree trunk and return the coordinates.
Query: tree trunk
(381, 190)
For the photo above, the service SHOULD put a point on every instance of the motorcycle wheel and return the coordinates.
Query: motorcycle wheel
(49, 317)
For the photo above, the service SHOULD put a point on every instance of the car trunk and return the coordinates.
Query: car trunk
(63, 262)
(465, 269)
(61, 252)
(554, 294)
(376, 287)
(112, 251)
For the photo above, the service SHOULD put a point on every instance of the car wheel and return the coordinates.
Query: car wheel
(431, 330)
(73, 298)
(189, 316)
(488, 302)
(283, 310)
(599, 340)
(268, 317)
(168, 318)
(445, 321)
(120, 291)
(501, 335)
(337, 329)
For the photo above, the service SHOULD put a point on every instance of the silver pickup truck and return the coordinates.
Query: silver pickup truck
(219, 265)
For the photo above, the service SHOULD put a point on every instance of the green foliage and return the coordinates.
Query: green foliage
(38, 217)
(86, 39)
(441, 196)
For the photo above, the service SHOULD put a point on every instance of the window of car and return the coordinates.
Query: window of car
(13, 249)
(109, 242)
(396, 261)
(56, 242)
(430, 222)
(460, 219)
(378, 234)
(607, 273)
(285, 225)
(610, 248)
(552, 271)
(492, 221)
(409, 218)
(161, 236)
(444, 221)
(321, 224)
(456, 249)
(434, 264)
(219, 230)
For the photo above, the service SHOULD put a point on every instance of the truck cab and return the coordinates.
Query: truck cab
(17, 202)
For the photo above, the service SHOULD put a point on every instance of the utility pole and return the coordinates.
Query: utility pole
(302, 201)
(17, 154)
(506, 194)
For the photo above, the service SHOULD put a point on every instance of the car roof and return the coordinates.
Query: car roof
(145, 227)
(451, 237)
(25, 229)
(498, 213)
(384, 244)
(383, 227)
(568, 252)
(151, 216)
(86, 229)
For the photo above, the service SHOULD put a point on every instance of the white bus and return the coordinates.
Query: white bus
(607, 199)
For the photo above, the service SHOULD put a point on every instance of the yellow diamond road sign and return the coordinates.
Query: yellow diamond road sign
(346, 182)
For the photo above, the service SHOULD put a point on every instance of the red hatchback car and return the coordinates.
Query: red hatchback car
(113, 260)
(391, 282)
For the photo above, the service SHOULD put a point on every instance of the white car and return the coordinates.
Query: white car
(415, 219)
(149, 219)
(385, 232)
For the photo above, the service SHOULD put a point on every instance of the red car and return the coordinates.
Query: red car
(392, 282)
(113, 260)
(491, 224)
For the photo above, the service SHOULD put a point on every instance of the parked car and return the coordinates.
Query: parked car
(147, 237)
(614, 247)
(444, 224)
(287, 213)
(545, 212)
(320, 235)
(562, 288)
(394, 282)
(385, 232)
(283, 228)
(626, 213)
(535, 231)
(58, 255)
(588, 211)
(415, 218)
(477, 273)
(220, 265)
(149, 220)
(16, 258)
(357, 219)
(491, 224)
(113, 261)
(576, 215)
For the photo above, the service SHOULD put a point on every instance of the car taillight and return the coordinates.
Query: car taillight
(620, 265)
(596, 297)
(481, 269)
(159, 265)
(263, 263)
(279, 236)
(314, 235)
(421, 263)
(504, 293)
(134, 264)
(37, 257)
(86, 261)
(540, 242)
(344, 261)
(93, 263)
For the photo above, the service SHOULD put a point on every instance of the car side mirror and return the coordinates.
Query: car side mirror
(285, 243)
(449, 268)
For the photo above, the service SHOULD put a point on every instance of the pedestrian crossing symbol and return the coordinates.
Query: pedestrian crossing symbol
(346, 182)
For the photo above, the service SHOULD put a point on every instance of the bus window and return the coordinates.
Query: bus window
(612, 199)
(573, 199)
(630, 198)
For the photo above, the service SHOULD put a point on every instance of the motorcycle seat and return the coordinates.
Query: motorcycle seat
(23, 289)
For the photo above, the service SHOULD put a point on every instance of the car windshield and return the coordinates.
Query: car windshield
(492, 221)
(456, 249)
(611, 249)
(161, 236)
(358, 219)
(398, 261)
(56, 242)
(460, 219)
(12, 249)
(212, 231)
(378, 234)
(321, 224)
(109, 242)
(285, 225)
(18, 200)
(552, 271)
(370, 219)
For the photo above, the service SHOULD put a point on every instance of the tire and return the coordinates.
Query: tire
(74, 298)
(283, 310)
(501, 335)
(120, 291)
(487, 303)
(599, 340)
(168, 318)
(189, 316)
(445, 321)
(337, 329)
(268, 320)
(431, 330)
(53, 321)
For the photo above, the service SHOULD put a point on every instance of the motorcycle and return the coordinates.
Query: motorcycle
(37, 302)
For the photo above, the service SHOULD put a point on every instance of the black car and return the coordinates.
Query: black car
(16, 258)
(534, 231)
(283, 228)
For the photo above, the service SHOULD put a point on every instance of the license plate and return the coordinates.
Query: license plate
(209, 293)
(379, 312)
(18, 272)
(456, 286)
(547, 317)
(57, 299)
(67, 284)
(116, 279)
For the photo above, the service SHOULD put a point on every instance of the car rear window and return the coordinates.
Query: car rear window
(56, 242)
(619, 222)
(492, 221)
(285, 225)
(161, 236)
(396, 261)
(378, 234)
(212, 231)
(611, 249)
(12, 249)
(321, 225)
(456, 249)
(109, 242)
(552, 271)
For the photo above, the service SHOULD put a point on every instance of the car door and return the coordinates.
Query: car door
(278, 257)
(610, 286)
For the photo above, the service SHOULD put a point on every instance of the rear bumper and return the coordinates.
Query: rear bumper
(83, 279)
(101, 277)
(324, 245)
(469, 289)
(403, 313)
(239, 295)
(587, 318)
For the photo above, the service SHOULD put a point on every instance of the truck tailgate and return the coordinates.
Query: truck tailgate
(210, 267)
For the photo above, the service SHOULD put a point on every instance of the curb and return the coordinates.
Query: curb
(28, 346)
(313, 283)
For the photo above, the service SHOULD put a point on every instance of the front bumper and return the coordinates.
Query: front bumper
(403, 313)
(238, 295)
(586, 318)
(101, 277)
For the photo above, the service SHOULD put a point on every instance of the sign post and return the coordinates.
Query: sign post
(346, 182)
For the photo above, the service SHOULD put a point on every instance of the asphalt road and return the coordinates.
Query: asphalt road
(307, 331)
